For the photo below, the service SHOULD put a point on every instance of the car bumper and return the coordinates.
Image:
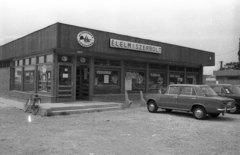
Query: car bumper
(226, 110)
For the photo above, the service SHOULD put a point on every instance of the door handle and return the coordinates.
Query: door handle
(175, 97)
(194, 98)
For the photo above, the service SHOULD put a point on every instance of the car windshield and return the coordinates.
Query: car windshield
(228, 89)
(236, 89)
(208, 91)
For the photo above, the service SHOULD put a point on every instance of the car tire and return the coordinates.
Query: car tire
(237, 109)
(152, 107)
(168, 110)
(214, 115)
(199, 113)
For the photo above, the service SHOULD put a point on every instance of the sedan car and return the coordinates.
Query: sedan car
(230, 91)
(201, 100)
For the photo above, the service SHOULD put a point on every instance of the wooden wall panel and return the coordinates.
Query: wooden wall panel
(38, 41)
(67, 40)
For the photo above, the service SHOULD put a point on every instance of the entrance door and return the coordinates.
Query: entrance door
(65, 82)
(82, 82)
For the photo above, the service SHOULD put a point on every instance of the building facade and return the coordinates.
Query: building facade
(227, 76)
(65, 63)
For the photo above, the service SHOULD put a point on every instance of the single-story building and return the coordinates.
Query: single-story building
(227, 76)
(65, 63)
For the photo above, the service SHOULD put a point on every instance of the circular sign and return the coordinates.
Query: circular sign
(82, 60)
(85, 39)
(64, 58)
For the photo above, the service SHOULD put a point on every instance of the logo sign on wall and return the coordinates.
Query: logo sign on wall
(85, 39)
(64, 58)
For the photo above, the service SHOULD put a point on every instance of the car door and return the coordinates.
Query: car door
(170, 97)
(186, 97)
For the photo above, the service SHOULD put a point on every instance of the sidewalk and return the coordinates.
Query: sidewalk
(11, 103)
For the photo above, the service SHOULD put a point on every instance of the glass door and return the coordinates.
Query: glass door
(82, 82)
(65, 82)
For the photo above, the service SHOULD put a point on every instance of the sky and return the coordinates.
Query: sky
(209, 25)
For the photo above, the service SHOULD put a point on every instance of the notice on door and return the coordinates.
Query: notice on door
(65, 75)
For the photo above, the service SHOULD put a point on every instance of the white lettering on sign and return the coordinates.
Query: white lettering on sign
(104, 72)
(134, 46)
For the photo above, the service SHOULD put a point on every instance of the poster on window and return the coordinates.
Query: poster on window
(106, 78)
(156, 80)
(128, 84)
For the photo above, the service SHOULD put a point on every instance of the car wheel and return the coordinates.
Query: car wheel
(199, 112)
(235, 110)
(214, 115)
(168, 110)
(152, 107)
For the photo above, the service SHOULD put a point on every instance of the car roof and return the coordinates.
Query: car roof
(195, 85)
(220, 84)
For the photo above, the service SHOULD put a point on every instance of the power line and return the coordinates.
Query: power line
(228, 52)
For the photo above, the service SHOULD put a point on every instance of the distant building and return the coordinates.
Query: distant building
(209, 79)
(227, 76)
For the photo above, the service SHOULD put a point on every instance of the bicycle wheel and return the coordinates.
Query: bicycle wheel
(35, 106)
(27, 105)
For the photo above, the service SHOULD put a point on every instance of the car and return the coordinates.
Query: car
(201, 100)
(230, 91)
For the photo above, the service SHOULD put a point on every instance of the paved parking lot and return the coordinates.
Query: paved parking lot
(132, 131)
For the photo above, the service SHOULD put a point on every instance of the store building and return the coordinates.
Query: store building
(68, 63)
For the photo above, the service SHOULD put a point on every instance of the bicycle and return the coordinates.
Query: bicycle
(32, 103)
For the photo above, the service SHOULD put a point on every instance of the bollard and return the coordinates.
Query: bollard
(143, 102)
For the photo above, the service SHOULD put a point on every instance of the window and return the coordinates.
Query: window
(41, 59)
(187, 91)
(176, 78)
(26, 62)
(135, 64)
(29, 78)
(135, 81)
(44, 78)
(174, 90)
(114, 63)
(49, 58)
(192, 79)
(228, 89)
(107, 81)
(33, 61)
(100, 62)
(17, 85)
(156, 81)
(218, 90)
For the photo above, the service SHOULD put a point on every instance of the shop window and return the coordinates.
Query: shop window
(26, 62)
(41, 59)
(16, 63)
(135, 64)
(157, 66)
(33, 61)
(17, 85)
(44, 78)
(29, 76)
(20, 63)
(107, 81)
(157, 81)
(135, 81)
(100, 62)
(192, 79)
(49, 58)
(195, 69)
(173, 68)
(176, 79)
(114, 63)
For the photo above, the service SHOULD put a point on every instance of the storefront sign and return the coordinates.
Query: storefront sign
(134, 46)
(64, 58)
(85, 39)
(104, 72)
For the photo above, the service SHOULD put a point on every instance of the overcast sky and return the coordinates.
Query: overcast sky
(210, 25)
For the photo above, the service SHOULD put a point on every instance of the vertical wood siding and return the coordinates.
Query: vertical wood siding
(67, 40)
(38, 41)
